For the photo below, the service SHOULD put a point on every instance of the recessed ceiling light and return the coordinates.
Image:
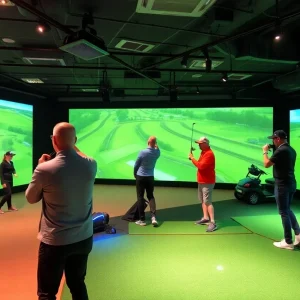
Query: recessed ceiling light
(8, 40)
(32, 80)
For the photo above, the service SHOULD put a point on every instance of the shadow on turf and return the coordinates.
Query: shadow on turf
(223, 210)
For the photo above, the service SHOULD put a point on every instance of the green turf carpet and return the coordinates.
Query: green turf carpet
(210, 267)
(266, 225)
(226, 226)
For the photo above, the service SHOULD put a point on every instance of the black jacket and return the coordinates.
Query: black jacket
(6, 171)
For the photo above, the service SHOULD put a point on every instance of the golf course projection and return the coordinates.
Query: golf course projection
(295, 139)
(114, 137)
(16, 136)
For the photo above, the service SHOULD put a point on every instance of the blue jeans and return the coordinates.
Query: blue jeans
(284, 194)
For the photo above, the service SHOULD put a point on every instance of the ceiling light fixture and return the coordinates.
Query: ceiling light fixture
(6, 3)
(42, 27)
(8, 41)
(278, 31)
(32, 80)
(198, 91)
(224, 77)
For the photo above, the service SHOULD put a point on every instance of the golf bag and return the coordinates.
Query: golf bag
(132, 214)
(100, 221)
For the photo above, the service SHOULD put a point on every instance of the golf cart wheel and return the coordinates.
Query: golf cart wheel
(253, 198)
(238, 196)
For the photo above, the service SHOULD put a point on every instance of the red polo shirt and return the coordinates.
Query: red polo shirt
(206, 167)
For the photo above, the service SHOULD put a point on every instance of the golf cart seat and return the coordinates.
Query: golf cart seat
(270, 181)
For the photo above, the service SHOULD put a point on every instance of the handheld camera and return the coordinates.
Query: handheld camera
(271, 147)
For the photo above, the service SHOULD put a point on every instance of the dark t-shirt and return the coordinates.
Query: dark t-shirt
(284, 159)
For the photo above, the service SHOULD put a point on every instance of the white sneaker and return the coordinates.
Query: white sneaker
(297, 240)
(284, 245)
(154, 222)
(141, 223)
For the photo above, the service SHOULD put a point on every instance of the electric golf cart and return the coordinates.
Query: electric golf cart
(251, 190)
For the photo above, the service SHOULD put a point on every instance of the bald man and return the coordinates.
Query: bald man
(144, 174)
(65, 186)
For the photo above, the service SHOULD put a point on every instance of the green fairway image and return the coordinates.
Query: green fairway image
(114, 137)
(16, 135)
(295, 139)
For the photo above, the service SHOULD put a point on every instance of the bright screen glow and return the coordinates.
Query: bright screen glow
(295, 138)
(16, 136)
(114, 138)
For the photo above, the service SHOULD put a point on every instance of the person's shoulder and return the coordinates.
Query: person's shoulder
(45, 166)
(210, 152)
(283, 148)
(143, 151)
(88, 160)
(293, 150)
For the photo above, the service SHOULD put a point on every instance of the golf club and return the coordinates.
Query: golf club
(192, 148)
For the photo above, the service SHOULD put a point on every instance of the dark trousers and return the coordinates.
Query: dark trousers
(7, 194)
(145, 183)
(71, 259)
(284, 195)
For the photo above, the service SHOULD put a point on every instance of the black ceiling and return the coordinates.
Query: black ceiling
(239, 34)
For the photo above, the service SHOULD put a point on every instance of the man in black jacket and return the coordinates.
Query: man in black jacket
(283, 162)
(7, 171)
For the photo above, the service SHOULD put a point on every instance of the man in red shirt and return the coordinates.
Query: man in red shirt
(206, 178)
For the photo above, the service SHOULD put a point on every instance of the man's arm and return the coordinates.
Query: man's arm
(137, 164)
(268, 162)
(158, 150)
(34, 192)
(203, 163)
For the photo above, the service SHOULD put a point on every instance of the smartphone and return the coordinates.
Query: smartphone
(271, 146)
(52, 155)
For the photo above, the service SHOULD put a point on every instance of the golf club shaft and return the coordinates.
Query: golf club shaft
(191, 149)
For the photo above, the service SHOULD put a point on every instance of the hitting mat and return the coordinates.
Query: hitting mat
(226, 226)
(188, 267)
(269, 226)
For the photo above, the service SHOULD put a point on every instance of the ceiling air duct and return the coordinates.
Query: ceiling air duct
(84, 45)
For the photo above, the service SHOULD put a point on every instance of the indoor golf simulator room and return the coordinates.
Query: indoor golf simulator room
(149, 152)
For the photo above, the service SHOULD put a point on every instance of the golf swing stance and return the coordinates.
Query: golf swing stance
(144, 174)
(206, 179)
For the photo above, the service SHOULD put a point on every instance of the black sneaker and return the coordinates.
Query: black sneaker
(202, 222)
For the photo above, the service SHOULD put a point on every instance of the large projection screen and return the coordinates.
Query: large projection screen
(114, 138)
(16, 135)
